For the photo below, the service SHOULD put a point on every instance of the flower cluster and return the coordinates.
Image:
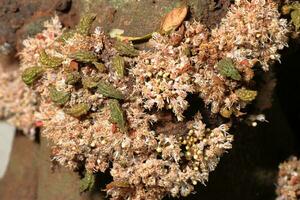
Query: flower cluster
(17, 102)
(217, 65)
(252, 31)
(76, 77)
(288, 183)
(178, 170)
(164, 76)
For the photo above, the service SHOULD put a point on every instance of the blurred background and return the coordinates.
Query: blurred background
(7, 134)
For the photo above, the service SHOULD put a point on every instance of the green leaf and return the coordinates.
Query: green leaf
(295, 15)
(67, 34)
(246, 95)
(117, 115)
(78, 110)
(125, 49)
(85, 24)
(50, 61)
(84, 56)
(83, 28)
(88, 182)
(118, 34)
(31, 74)
(59, 97)
(73, 78)
(118, 64)
(226, 68)
(109, 90)
(99, 66)
(90, 82)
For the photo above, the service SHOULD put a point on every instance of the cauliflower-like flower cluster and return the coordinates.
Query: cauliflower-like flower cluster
(176, 173)
(164, 76)
(288, 182)
(217, 65)
(251, 31)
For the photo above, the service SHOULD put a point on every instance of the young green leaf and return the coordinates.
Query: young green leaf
(109, 90)
(90, 82)
(72, 78)
(295, 16)
(59, 97)
(117, 115)
(119, 64)
(125, 49)
(84, 56)
(100, 66)
(88, 182)
(246, 95)
(78, 110)
(85, 24)
(31, 74)
(49, 61)
(226, 68)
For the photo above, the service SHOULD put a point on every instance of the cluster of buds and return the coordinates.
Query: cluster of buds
(202, 145)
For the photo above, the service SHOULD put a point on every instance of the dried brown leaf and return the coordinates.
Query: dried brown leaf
(173, 19)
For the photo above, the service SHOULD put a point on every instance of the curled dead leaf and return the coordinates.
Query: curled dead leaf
(173, 19)
(117, 184)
